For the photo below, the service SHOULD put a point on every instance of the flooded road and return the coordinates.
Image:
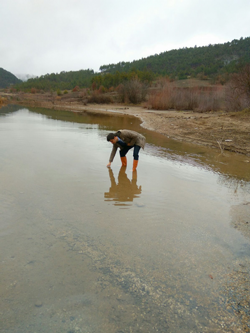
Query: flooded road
(85, 249)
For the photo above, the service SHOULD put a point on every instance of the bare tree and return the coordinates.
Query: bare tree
(238, 90)
(132, 91)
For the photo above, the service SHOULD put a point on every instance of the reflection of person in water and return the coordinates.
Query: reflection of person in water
(125, 190)
(125, 140)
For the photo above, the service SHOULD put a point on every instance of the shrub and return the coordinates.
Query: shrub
(77, 88)
(102, 90)
(132, 91)
(161, 100)
(33, 90)
(83, 93)
(99, 99)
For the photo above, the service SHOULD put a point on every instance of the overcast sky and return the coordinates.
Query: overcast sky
(50, 36)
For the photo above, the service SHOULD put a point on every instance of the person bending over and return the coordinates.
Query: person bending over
(125, 140)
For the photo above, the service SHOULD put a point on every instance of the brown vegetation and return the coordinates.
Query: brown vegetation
(200, 99)
(77, 88)
(238, 90)
(33, 90)
(99, 99)
(132, 91)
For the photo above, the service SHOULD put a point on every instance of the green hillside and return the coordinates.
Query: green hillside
(212, 61)
(7, 79)
(63, 81)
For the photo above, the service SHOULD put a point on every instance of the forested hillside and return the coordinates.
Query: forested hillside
(63, 81)
(7, 78)
(215, 62)
(212, 60)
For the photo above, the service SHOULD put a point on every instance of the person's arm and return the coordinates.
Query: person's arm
(112, 155)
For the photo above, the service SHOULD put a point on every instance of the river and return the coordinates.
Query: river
(84, 248)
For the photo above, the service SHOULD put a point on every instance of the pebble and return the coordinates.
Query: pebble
(38, 304)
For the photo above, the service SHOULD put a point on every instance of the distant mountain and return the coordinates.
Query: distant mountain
(25, 77)
(7, 78)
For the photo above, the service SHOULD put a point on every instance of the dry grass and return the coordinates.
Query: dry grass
(202, 98)
(99, 99)
(242, 114)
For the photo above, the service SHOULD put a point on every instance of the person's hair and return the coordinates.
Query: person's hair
(110, 136)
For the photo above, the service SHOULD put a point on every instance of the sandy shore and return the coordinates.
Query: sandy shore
(220, 130)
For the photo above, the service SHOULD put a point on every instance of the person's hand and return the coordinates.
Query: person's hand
(109, 164)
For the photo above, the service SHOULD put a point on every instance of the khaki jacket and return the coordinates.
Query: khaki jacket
(131, 137)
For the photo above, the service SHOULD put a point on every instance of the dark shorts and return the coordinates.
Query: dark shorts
(124, 151)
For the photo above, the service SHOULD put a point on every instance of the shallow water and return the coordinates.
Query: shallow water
(88, 249)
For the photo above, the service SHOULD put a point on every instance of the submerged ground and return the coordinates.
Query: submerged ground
(88, 249)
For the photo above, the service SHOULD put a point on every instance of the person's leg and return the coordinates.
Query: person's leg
(123, 153)
(124, 160)
(136, 156)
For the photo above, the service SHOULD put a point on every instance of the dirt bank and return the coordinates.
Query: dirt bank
(220, 130)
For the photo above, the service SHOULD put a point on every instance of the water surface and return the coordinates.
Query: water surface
(89, 249)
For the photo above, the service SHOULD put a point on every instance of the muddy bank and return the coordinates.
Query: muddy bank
(220, 130)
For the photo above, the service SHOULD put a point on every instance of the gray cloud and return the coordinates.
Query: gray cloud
(42, 36)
